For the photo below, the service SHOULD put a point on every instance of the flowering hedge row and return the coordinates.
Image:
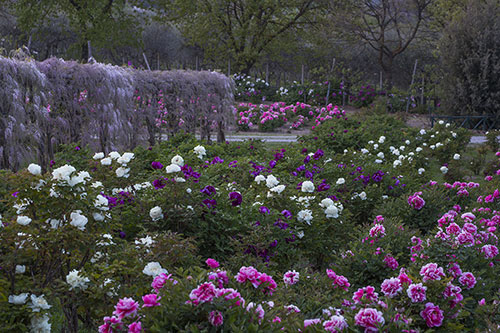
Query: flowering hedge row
(364, 225)
(55, 101)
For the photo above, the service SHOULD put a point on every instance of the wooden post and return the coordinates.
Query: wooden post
(409, 90)
(29, 43)
(196, 63)
(146, 60)
(333, 65)
(302, 76)
(381, 81)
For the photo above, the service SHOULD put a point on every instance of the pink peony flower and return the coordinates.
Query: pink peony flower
(377, 231)
(248, 274)
(342, 282)
(219, 276)
(110, 324)
(468, 280)
(432, 315)
(416, 292)
(453, 229)
(268, 282)
(160, 280)
(291, 277)
(204, 293)
(231, 294)
(431, 272)
(126, 307)
(391, 262)
(291, 309)
(309, 322)
(465, 238)
(215, 318)
(452, 291)
(336, 323)
(370, 319)
(489, 251)
(135, 327)
(391, 287)
(150, 300)
(455, 270)
(212, 263)
(415, 201)
(469, 227)
(368, 293)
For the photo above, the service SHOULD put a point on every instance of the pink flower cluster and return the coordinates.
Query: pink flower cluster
(256, 278)
(431, 272)
(338, 280)
(415, 201)
(370, 319)
(366, 294)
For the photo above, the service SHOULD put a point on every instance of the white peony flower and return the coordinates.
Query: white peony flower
(178, 160)
(278, 189)
(418, 149)
(421, 171)
(125, 158)
(407, 142)
(98, 217)
(54, 224)
(40, 324)
(271, 181)
(34, 169)
(98, 156)
(38, 303)
(114, 155)
(378, 161)
(156, 213)
(362, 195)
(259, 179)
(305, 215)
(422, 132)
(188, 190)
(154, 269)
(332, 211)
(200, 151)
(456, 157)
(63, 173)
(20, 269)
(340, 181)
(146, 241)
(18, 299)
(444, 169)
(326, 203)
(381, 139)
(76, 281)
(396, 163)
(78, 220)
(23, 220)
(106, 161)
(101, 202)
(380, 155)
(173, 168)
(365, 151)
(81, 178)
(122, 172)
(307, 186)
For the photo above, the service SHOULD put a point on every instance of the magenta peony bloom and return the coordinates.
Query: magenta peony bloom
(248, 274)
(367, 293)
(126, 307)
(391, 287)
(415, 201)
(416, 292)
(212, 263)
(110, 324)
(231, 294)
(215, 318)
(335, 324)
(204, 293)
(150, 300)
(489, 251)
(431, 272)
(370, 319)
(291, 277)
(432, 315)
(135, 327)
(468, 280)
(236, 198)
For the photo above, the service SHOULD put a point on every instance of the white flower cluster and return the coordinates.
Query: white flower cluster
(305, 216)
(200, 151)
(332, 209)
(76, 281)
(154, 269)
(156, 213)
(307, 186)
(78, 220)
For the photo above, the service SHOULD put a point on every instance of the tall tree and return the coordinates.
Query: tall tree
(387, 26)
(103, 22)
(239, 29)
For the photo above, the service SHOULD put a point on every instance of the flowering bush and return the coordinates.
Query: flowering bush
(236, 236)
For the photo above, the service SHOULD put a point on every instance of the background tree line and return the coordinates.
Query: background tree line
(369, 41)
